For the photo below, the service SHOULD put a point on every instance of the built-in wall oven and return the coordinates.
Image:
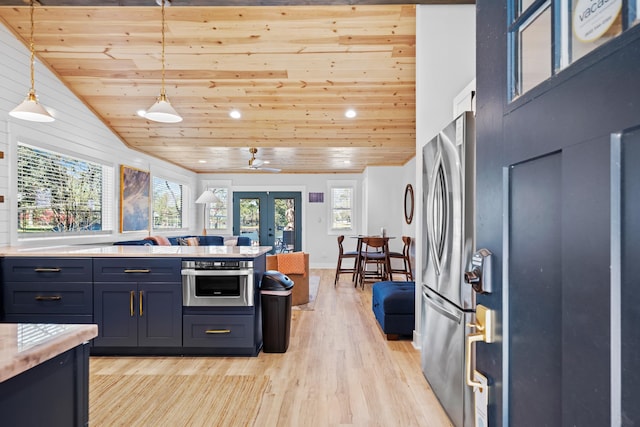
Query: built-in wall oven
(217, 283)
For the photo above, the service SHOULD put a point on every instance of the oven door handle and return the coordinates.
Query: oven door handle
(240, 272)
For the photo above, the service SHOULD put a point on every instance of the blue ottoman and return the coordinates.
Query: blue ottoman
(393, 305)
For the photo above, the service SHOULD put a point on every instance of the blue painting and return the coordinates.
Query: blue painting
(135, 186)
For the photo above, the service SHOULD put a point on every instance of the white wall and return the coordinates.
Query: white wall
(445, 65)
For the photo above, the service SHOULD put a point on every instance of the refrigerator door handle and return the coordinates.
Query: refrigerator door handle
(440, 309)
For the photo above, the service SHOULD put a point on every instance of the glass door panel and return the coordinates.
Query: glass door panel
(270, 219)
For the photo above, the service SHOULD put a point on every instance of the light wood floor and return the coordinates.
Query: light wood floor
(338, 370)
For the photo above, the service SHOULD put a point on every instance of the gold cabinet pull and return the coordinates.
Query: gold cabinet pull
(137, 270)
(218, 331)
(132, 295)
(48, 298)
(141, 312)
(47, 270)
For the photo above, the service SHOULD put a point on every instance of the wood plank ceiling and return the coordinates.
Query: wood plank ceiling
(292, 71)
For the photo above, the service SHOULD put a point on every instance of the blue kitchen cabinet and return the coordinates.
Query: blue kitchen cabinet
(47, 290)
(137, 303)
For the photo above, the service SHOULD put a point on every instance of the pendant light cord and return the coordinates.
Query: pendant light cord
(162, 92)
(33, 55)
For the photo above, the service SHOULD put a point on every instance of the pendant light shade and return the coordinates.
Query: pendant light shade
(162, 111)
(30, 109)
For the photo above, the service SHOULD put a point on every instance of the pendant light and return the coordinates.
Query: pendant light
(30, 109)
(162, 111)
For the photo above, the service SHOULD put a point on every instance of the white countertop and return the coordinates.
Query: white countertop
(138, 251)
(25, 345)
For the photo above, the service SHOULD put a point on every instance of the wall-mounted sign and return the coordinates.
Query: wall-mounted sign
(592, 18)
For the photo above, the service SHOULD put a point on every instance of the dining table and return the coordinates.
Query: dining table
(360, 238)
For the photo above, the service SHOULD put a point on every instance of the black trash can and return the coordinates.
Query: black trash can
(275, 294)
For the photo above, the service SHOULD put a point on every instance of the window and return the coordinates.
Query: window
(167, 204)
(217, 218)
(59, 193)
(342, 208)
(546, 36)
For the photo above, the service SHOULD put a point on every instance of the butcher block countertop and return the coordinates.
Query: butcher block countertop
(138, 251)
(26, 345)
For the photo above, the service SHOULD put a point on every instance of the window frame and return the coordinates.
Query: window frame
(561, 39)
(334, 185)
(107, 194)
(219, 185)
(182, 202)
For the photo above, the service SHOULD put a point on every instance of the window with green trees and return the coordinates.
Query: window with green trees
(167, 204)
(59, 193)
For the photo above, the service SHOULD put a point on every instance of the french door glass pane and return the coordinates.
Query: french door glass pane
(250, 218)
(285, 224)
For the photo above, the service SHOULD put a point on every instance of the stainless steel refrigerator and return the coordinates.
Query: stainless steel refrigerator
(448, 303)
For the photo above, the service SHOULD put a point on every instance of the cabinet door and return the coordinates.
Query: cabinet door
(116, 314)
(159, 315)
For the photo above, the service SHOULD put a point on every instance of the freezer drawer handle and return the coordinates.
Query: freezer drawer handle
(437, 307)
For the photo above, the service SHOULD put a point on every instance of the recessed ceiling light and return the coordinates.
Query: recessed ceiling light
(235, 114)
(347, 162)
(350, 113)
(202, 161)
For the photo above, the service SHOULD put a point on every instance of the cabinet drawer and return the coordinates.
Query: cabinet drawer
(48, 298)
(47, 269)
(229, 331)
(137, 270)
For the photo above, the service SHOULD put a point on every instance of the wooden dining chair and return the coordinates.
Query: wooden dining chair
(342, 255)
(405, 256)
(375, 251)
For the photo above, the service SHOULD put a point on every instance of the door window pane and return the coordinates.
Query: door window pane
(285, 224)
(535, 52)
(594, 23)
(250, 218)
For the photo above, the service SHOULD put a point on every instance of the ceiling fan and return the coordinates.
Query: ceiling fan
(258, 164)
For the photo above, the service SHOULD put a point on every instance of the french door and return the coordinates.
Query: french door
(270, 218)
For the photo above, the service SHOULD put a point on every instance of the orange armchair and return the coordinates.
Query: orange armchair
(300, 291)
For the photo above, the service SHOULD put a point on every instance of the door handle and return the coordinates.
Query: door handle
(484, 326)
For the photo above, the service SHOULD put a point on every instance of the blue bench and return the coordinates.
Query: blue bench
(393, 304)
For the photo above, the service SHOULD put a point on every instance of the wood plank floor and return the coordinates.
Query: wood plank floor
(339, 370)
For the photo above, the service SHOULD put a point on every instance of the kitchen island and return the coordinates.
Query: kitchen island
(135, 296)
(44, 374)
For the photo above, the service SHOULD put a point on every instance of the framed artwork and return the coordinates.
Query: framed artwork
(135, 185)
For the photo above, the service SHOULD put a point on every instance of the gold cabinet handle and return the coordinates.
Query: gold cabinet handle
(218, 331)
(47, 270)
(141, 312)
(48, 298)
(132, 295)
(139, 270)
